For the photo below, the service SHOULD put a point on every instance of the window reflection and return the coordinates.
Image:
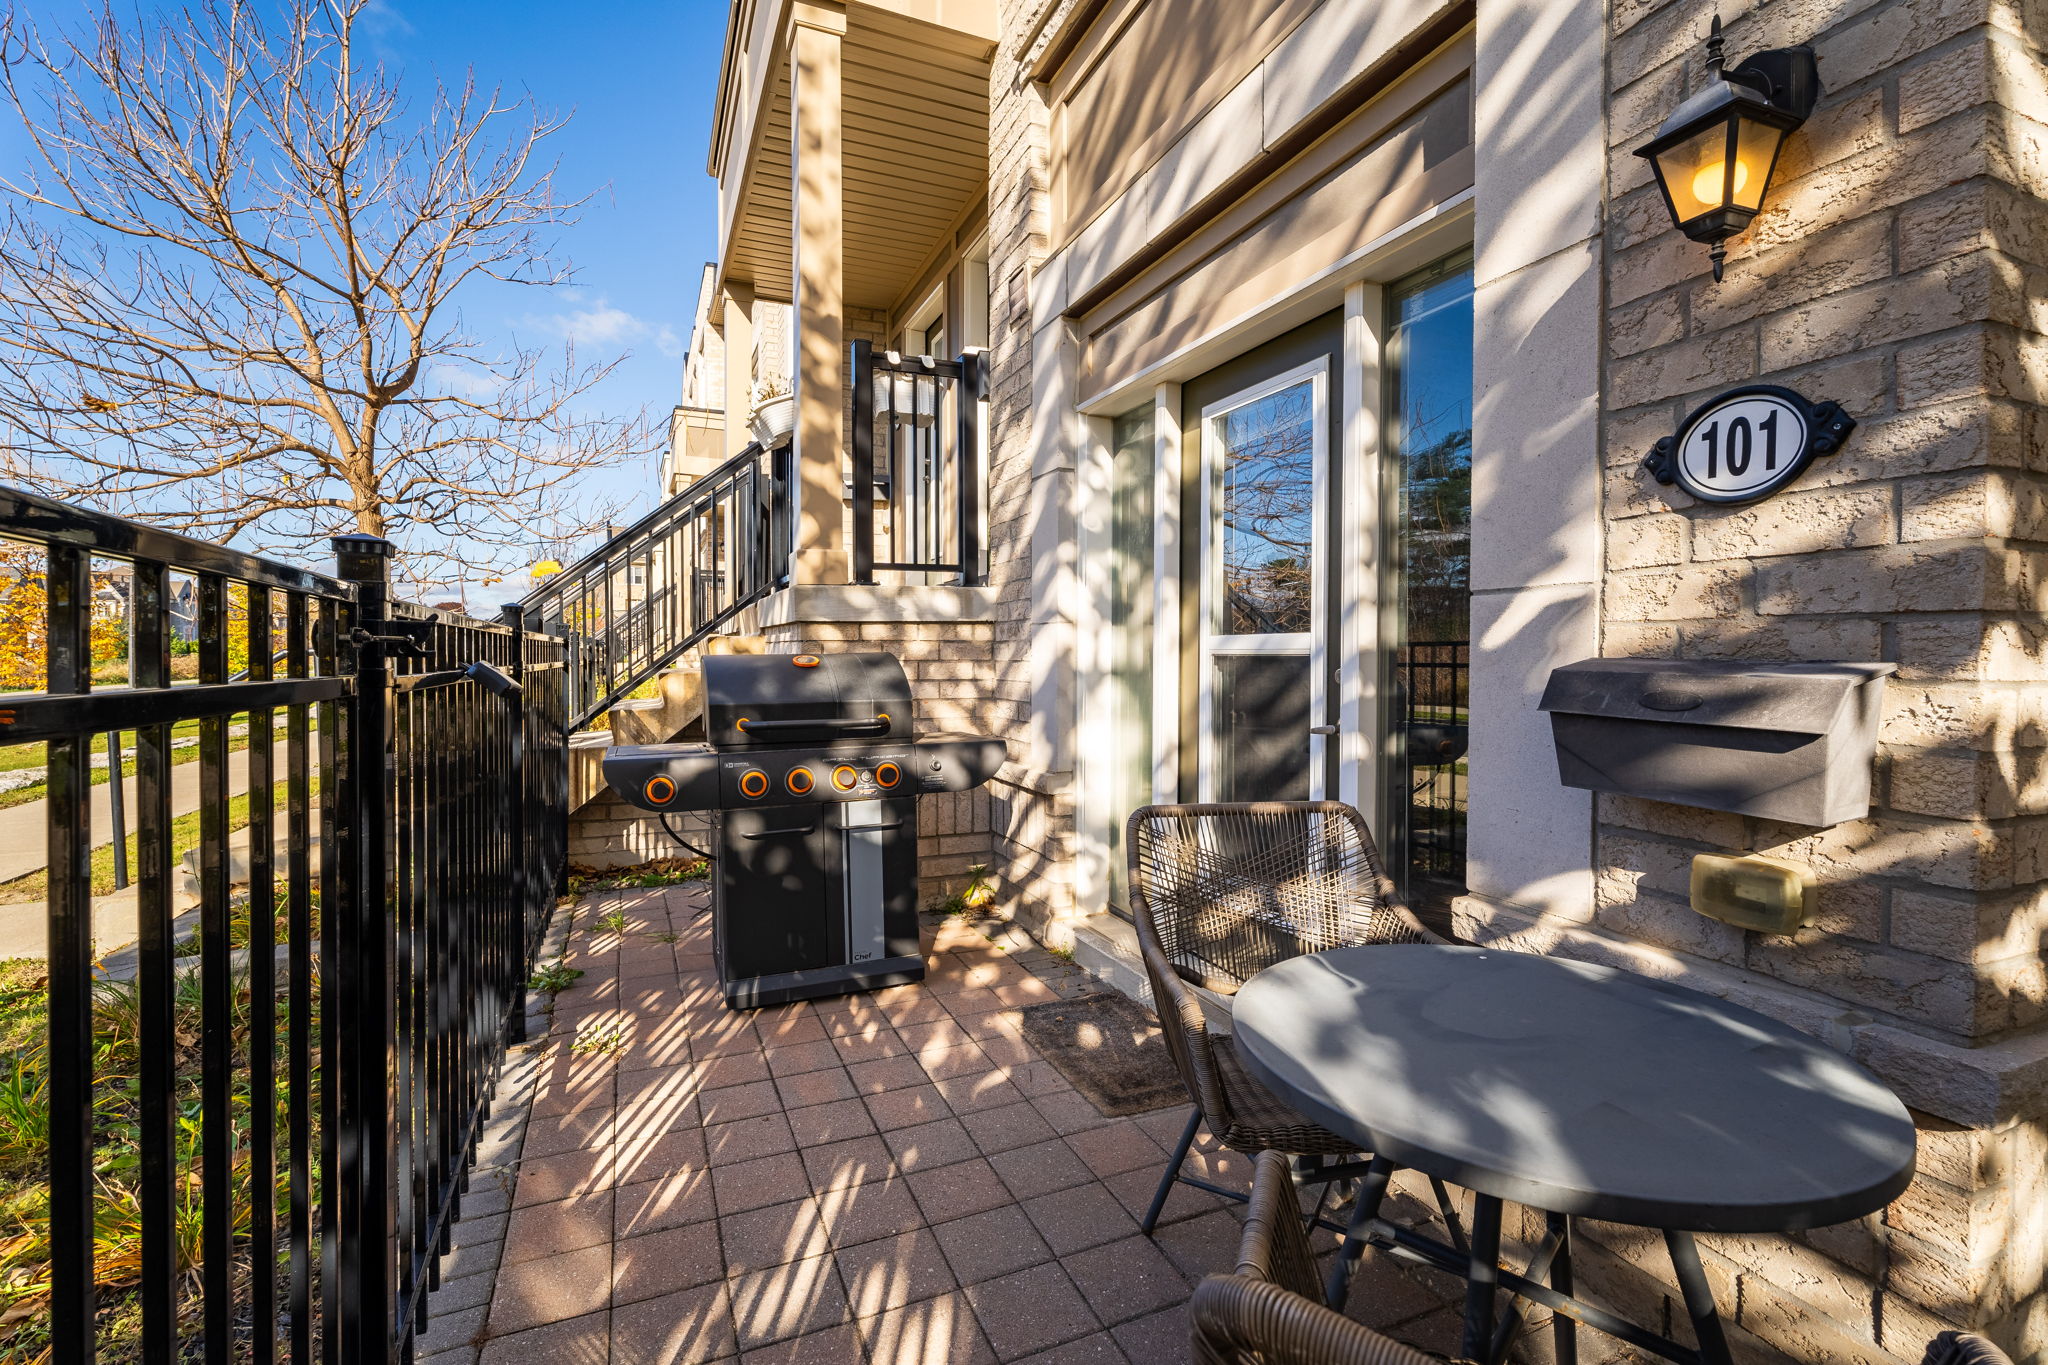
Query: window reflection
(1267, 511)
(1430, 349)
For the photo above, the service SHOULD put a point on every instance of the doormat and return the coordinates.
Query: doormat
(1109, 1048)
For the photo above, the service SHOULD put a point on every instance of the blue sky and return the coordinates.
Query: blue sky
(637, 78)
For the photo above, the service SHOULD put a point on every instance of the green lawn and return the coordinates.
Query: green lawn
(14, 757)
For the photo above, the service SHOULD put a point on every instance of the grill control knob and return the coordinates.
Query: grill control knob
(844, 778)
(799, 781)
(887, 774)
(753, 783)
(660, 790)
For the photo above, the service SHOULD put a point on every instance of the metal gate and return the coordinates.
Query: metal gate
(282, 1096)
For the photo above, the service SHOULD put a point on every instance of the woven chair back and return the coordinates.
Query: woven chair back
(1183, 1025)
(1237, 1320)
(1233, 889)
(1275, 1244)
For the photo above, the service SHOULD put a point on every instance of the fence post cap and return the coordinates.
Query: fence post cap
(361, 543)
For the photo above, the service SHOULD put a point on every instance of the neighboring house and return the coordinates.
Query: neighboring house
(184, 610)
(696, 427)
(1325, 338)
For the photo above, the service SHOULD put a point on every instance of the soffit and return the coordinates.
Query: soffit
(914, 116)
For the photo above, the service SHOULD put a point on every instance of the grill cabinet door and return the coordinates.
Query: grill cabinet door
(776, 878)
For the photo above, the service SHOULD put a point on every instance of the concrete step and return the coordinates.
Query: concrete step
(1106, 947)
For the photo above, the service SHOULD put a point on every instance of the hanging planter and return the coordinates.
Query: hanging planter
(774, 417)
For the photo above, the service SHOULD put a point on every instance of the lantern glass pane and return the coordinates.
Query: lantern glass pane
(1695, 172)
(1756, 147)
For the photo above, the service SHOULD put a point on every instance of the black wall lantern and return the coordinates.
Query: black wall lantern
(1715, 154)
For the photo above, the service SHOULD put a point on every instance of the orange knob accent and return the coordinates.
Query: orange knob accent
(805, 661)
(799, 780)
(887, 775)
(753, 782)
(660, 790)
(844, 778)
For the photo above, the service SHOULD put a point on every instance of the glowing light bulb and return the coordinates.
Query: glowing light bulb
(1706, 186)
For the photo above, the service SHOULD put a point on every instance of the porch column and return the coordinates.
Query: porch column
(738, 302)
(817, 29)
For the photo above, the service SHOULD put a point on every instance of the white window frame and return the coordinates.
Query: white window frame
(920, 318)
(1211, 642)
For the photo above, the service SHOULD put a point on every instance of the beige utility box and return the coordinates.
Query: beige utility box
(1790, 742)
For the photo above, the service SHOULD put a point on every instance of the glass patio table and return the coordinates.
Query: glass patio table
(1576, 1089)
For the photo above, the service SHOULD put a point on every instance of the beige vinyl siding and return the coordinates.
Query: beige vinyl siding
(1171, 62)
(1424, 159)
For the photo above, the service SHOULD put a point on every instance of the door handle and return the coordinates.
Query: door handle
(770, 833)
(1322, 729)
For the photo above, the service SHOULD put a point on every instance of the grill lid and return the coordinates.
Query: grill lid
(762, 701)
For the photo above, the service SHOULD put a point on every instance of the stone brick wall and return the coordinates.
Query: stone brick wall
(607, 831)
(1900, 268)
(1032, 808)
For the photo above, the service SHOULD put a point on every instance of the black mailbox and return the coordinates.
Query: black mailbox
(1790, 742)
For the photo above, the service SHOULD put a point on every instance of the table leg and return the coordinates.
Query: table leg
(1564, 1333)
(1699, 1298)
(1482, 1277)
(1372, 1191)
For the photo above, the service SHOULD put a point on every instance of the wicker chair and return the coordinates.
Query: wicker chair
(1269, 1312)
(1220, 892)
(1963, 1348)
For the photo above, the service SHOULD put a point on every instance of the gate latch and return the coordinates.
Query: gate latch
(404, 639)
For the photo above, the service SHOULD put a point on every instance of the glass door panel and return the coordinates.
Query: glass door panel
(1263, 453)
(1262, 727)
(1430, 473)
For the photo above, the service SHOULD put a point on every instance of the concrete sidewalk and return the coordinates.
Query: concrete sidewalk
(24, 828)
(116, 918)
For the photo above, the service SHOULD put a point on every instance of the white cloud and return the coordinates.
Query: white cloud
(607, 328)
(464, 381)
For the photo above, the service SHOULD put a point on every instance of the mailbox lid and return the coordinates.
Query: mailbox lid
(1800, 698)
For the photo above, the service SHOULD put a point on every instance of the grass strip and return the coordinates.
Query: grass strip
(17, 756)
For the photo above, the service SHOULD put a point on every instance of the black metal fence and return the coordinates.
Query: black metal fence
(259, 1120)
(917, 454)
(650, 592)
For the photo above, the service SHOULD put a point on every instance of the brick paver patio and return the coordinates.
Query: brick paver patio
(895, 1178)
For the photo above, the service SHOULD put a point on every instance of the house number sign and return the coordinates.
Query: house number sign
(1747, 443)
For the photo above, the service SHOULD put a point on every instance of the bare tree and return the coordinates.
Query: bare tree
(228, 278)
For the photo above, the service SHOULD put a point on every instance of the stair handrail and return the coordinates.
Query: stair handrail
(695, 488)
(737, 511)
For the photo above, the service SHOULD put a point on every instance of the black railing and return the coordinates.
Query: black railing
(635, 604)
(260, 1124)
(1432, 683)
(930, 485)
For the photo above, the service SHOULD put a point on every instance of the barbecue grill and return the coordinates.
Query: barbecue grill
(811, 771)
